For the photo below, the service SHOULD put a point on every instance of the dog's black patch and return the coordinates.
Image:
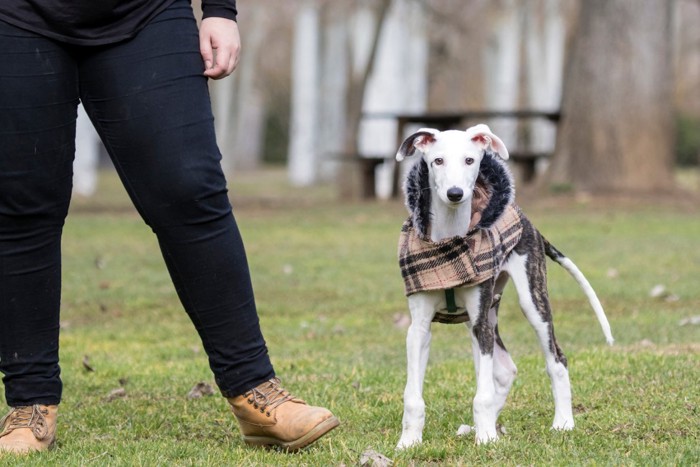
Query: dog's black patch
(499, 182)
(482, 329)
(417, 191)
(532, 244)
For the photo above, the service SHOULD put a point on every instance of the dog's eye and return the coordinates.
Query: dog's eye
(469, 160)
(439, 161)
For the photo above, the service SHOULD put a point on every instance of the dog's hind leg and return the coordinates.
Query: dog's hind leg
(504, 373)
(528, 272)
(422, 307)
(504, 369)
(478, 303)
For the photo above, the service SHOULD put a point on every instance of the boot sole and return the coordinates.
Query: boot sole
(290, 446)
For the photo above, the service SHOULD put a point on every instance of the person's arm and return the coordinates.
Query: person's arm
(219, 39)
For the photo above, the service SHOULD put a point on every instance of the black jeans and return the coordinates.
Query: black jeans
(150, 104)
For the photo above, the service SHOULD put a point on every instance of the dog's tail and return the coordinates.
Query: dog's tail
(576, 273)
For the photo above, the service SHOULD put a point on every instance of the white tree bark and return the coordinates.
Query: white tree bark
(502, 67)
(545, 37)
(398, 84)
(251, 111)
(334, 85)
(303, 137)
(238, 103)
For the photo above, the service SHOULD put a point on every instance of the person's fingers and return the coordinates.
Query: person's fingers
(205, 49)
(220, 46)
(220, 67)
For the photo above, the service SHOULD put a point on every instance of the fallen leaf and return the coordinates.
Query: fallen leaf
(200, 389)
(371, 458)
(464, 430)
(115, 394)
(658, 291)
(693, 320)
(86, 364)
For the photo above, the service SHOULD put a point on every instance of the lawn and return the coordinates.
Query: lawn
(332, 308)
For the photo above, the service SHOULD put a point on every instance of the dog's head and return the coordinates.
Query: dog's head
(494, 181)
(453, 158)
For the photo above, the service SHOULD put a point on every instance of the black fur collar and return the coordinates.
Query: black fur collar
(494, 176)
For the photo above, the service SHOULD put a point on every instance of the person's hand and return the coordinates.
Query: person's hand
(219, 44)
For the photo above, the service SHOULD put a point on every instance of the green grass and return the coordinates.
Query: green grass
(328, 291)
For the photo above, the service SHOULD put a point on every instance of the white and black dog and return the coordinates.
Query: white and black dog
(463, 240)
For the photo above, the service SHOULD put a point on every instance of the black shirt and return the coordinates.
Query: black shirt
(95, 22)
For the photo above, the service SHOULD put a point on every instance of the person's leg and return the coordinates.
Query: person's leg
(149, 101)
(38, 101)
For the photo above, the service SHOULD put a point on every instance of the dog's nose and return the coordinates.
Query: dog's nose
(455, 194)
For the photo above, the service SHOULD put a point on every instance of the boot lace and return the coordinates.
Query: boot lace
(268, 396)
(28, 416)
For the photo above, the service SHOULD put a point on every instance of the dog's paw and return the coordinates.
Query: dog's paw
(486, 436)
(563, 425)
(408, 440)
(464, 430)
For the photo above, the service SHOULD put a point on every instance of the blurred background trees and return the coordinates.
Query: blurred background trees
(319, 81)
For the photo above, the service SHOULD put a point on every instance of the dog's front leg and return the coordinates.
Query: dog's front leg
(422, 306)
(478, 302)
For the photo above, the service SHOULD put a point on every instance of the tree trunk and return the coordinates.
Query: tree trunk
(545, 37)
(303, 137)
(334, 83)
(502, 67)
(363, 63)
(398, 84)
(616, 133)
(251, 108)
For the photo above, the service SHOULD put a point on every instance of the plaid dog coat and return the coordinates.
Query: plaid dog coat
(454, 262)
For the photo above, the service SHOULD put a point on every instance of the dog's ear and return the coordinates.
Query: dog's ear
(482, 136)
(421, 140)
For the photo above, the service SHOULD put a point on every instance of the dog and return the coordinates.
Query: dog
(464, 238)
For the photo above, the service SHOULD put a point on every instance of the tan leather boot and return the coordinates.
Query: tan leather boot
(271, 416)
(28, 428)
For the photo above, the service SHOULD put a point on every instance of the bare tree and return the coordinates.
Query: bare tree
(617, 128)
